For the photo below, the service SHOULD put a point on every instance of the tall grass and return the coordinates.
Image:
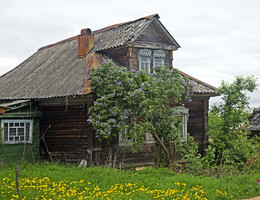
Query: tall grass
(99, 182)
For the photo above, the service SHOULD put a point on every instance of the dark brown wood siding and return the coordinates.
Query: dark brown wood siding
(151, 34)
(66, 133)
(119, 55)
(198, 120)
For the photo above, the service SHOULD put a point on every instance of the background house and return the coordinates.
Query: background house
(53, 80)
(254, 122)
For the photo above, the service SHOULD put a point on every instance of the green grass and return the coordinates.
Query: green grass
(71, 182)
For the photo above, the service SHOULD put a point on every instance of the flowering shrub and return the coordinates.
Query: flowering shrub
(138, 103)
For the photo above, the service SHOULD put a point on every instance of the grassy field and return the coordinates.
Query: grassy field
(54, 181)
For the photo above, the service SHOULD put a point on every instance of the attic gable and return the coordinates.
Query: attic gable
(147, 28)
(157, 36)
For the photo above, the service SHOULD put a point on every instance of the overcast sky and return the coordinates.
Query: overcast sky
(219, 39)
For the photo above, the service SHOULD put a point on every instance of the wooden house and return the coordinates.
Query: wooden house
(52, 85)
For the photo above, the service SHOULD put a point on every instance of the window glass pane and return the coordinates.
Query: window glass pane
(144, 62)
(144, 58)
(156, 59)
(21, 124)
(11, 124)
(20, 131)
(27, 132)
(5, 131)
(17, 124)
(12, 131)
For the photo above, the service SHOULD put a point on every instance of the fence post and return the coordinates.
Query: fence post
(17, 179)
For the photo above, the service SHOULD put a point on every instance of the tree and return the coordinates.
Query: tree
(138, 103)
(228, 118)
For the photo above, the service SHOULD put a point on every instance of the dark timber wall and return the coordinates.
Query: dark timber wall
(66, 134)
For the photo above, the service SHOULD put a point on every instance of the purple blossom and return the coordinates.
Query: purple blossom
(189, 100)
(119, 83)
(132, 70)
(95, 103)
(103, 98)
(113, 120)
(166, 74)
(89, 120)
(137, 72)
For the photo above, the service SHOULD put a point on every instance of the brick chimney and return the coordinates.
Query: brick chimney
(85, 42)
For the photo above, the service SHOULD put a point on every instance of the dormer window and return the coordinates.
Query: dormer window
(145, 60)
(147, 57)
(158, 58)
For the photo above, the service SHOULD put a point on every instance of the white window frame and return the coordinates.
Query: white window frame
(145, 53)
(158, 54)
(16, 127)
(184, 113)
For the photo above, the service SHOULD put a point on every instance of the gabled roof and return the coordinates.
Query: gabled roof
(126, 33)
(56, 71)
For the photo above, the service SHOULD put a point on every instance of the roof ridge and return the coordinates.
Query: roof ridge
(99, 31)
(60, 42)
(123, 23)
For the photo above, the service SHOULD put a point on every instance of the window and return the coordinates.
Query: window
(184, 113)
(17, 131)
(144, 56)
(147, 56)
(124, 140)
(158, 58)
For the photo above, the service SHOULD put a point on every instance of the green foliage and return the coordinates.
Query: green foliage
(103, 179)
(190, 156)
(227, 122)
(138, 103)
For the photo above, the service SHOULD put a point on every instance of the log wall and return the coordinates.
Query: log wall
(65, 132)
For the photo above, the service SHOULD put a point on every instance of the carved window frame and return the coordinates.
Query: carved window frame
(184, 113)
(16, 131)
(158, 54)
(144, 57)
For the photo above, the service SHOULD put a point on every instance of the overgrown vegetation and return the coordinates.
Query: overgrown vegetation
(55, 181)
(230, 141)
(138, 103)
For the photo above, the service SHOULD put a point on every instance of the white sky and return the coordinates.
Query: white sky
(219, 39)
